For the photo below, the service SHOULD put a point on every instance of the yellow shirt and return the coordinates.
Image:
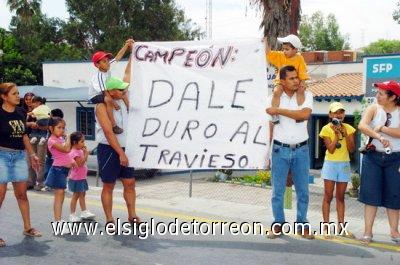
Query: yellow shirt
(41, 112)
(340, 154)
(278, 59)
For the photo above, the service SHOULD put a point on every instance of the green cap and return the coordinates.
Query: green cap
(115, 83)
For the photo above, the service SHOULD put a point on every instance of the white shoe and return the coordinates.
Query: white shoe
(65, 230)
(33, 140)
(74, 218)
(87, 215)
(42, 141)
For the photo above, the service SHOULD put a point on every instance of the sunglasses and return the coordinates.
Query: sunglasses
(388, 119)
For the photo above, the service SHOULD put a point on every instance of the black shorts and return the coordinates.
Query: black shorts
(110, 168)
(99, 98)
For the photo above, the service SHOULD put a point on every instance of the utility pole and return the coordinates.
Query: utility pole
(209, 19)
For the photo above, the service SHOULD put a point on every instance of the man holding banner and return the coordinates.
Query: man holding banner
(290, 152)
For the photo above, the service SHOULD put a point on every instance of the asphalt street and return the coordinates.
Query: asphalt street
(165, 249)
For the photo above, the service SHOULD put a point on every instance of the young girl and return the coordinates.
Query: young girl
(58, 173)
(339, 141)
(77, 180)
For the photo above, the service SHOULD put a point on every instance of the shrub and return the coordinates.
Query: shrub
(355, 181)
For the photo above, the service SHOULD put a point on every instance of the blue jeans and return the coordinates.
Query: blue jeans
(13, 166)
(297, 160)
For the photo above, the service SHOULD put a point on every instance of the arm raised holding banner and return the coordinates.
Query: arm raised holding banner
(117, 90)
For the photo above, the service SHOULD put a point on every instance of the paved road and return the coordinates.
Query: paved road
(166, 249)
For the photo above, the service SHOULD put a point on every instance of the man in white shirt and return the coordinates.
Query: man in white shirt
(290, 152)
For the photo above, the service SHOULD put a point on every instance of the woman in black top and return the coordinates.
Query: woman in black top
(14, 148)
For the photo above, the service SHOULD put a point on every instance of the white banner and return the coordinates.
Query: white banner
(198, 105)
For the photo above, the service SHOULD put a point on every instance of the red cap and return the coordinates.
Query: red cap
(393, 86)
(97, 56)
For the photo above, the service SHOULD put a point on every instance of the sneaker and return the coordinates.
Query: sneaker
(117, 130)
(87, 215)
(47, 188)
(42, 141)
(74, 218)
(39, 187)
(65, 230)
(33, 140)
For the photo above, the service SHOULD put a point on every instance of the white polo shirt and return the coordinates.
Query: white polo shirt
(98, 81)
(288, 131)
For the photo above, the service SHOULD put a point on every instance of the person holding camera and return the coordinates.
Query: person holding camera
(380, 176)
(339, 141)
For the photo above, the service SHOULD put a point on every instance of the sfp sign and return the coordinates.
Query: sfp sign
(379, 69)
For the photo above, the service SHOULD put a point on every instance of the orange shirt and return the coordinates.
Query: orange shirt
(278, 59)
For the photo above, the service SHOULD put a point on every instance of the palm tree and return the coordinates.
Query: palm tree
(25, 9)
(280, 18)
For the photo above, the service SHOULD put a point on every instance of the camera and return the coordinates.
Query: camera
(336, 122)
(368, 148)
(388, 150)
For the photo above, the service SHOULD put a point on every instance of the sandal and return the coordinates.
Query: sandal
(135, 219)
(32, 232)
(326, 234)
(2, 243)
(365, 240)
(349, 235)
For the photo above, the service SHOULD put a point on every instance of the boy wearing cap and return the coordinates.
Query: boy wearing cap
(339, 141)
(288, 56)
(97, 88)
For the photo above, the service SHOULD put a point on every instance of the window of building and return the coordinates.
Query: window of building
(85, 122)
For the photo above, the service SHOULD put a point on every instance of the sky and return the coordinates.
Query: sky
(364, 21)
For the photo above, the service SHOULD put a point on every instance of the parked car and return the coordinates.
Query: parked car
(139, 172)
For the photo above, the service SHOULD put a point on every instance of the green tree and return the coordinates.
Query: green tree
(40, 40)
(280, 18)
(24, 9)
(320, 33)
(396, 13)
(103, 24)
(382, 47)
(12, 64)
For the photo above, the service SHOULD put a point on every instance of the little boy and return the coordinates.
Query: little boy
(97, 88)
(288, 56)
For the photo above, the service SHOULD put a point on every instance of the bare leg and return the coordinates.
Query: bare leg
(126, 101)
(130, 197)
(276, 96)
(82, 201)
(74, 201)
(369, 218)
(340, 204)
(59, 195)
(107, 200)
(393, 217)
(23, 203)
(3, 190)
(329, 186)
